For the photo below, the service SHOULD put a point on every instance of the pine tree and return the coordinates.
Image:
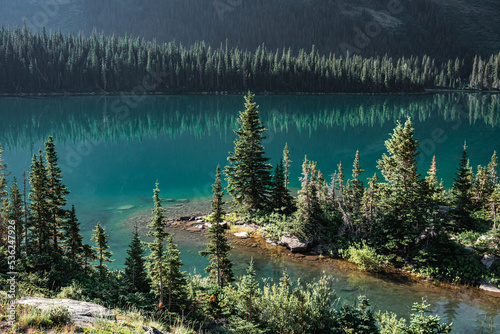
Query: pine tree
(248, 174)
(217, 250)
(157, 249)
(135, 273)
(286, 165)
(57, 192)
(40, 211)
(404, 195)
(100, 238)
(437, 194)
(175, 281)
(308, 213)
(73, 240)
(248, 294)
(15, 212)
(280, 199)
(3, 184)
(461, 195)
(354, 192)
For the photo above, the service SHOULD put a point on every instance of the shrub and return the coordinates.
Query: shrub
(363, 255)
(31, 317)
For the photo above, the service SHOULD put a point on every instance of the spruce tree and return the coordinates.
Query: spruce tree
(71, 235)
(100, 238)
(15, 212)
(135, 273)
(281, 199)
(354, 192)
(308, 214)
(57, 192)
(461, 195)
(217, 250)
(404, 195)
(157, 249)
(40, 211)
(248, 294)
(175, 281)
(3, 184)
(286, 165)
(248, 174)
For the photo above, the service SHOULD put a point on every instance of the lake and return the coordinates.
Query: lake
(112, 149)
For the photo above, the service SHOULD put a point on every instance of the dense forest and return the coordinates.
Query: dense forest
(442, 29)
(37, 63)
(403, 220)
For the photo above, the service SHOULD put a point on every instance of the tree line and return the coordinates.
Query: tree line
(50, 62)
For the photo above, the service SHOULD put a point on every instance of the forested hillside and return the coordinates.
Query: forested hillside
(441, 29)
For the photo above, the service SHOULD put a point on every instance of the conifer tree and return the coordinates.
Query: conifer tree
(3, 184)
(354, 192)
(404, 195)
(73, 240)
(157, 248)
(248, 293)
(57, 192)
(248, 174)
(135, 273)
(15, 212)
(175, 281)
(461, 193)
(281, 199)
(286, 165)
(40, 211)
(217, 250)
(437, 194)
(371, 201)
(100, 238)
(308, 214)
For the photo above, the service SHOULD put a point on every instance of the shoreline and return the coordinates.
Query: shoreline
(186, 222)
(427, 91)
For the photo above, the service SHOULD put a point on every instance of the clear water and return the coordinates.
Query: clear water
(113, 149)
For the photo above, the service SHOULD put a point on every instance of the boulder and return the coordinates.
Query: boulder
(489, 287)
(126, 207)
(242, 235)
(238, 222)
(152, 330)
(183, 200)
(82, 313)
(294, 244)
(185, 218)
(488, 260)
(271, 242)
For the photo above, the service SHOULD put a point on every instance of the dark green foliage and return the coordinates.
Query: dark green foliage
(281, 200)
(461, 195)
(100, 238)
(423, 323)
(15, 212)
(157, 249)
(57, 191)
(174, 279)
(358, 318)
(248, 294)
(217, 250)
(135, 274)
(3, 187)
(71, 235)
(248, 174)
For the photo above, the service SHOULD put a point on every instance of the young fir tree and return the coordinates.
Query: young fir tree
(404, 195)
(40, 211)
(135, 273)
(248, 294)
(57, 192)
(308, 214)
(437, 194)
(217, 250)
(248, 174)
(354, 193)
(100, 238)
(286, 165)
(461, 195)
(175, 281)
(71, 235)
(281, 199)
(15, 211)
(370, 207)
(157, 249)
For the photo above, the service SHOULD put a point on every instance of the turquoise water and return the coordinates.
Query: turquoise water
(113, 149)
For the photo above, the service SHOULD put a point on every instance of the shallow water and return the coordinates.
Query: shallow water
(113, 149)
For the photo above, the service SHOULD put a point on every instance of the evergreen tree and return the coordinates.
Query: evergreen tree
(57, 192)
(40, 211)
(175, 281)
(157, 249)
(461, 195)
(248, 174)
(3, 196)
(437, 194)
(15, 212)
(217, 250)
(100, 238)
(135, 274)
(281, 199)
(286, 165)
(248, 294)
(354, 193)
(404, 195)
(308, 214)
(371, 201)
(71, 235)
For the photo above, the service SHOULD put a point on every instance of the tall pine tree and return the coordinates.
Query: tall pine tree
(175, 281)
(135, 273)
(100, 238)
(217, 250)
(40, 211)
(71, 235)
(248, 174)
(461, 195)
(15, 211)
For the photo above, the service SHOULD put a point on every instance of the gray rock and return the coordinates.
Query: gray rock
(82, 313)
(183, 200)
(238, 222)
(271, 242)
(200, 226)
(152, 330)
(488, 260)
(242, 235)
(487, 286)
(294, 244)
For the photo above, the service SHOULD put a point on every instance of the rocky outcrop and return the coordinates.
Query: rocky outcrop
(82, 313)
(294, 244)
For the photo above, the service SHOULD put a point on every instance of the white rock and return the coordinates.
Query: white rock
(242, 235)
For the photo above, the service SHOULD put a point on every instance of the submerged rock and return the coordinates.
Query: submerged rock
(126, 207)
(82, 313)
(242, 235)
